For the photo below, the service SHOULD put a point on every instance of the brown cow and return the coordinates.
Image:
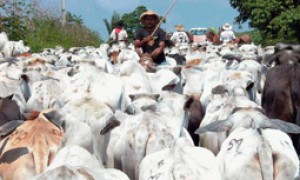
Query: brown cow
(284, 53)
(243, 39)
(196, 114)
(281, 95)
(214, 38)
(240, 40)
(31, 147)
(9, 110)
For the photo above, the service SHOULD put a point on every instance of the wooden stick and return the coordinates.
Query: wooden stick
(163, 18)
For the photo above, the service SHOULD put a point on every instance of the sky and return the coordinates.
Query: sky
(190, 13)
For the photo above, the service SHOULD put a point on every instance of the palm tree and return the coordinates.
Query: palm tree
(112, 24)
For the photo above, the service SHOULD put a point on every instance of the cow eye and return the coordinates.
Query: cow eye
(227, 133)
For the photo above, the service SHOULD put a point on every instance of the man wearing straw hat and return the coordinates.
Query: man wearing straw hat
(227, 35)
(149, 41)
(180, 37)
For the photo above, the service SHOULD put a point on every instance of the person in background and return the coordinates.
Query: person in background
(150, 46)
(119, 34)
(227, 35)
(180, 37)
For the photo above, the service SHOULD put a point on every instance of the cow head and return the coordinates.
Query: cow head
(284, 53)
(250, 117)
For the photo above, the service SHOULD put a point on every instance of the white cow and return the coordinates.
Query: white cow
(101, 86)
(221, 107)
(152, 132)
(45, 94)
(182, 161)
(97, 115)
(73, 162)
(3, 39)
(247, 117)
(13, 48)
(255, 154)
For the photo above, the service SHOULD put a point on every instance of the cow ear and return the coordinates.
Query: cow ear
(220, 89)
(10, 96)
(130, 109)
(25, 89)
(154, 96)
(281, 125)
(132, 97)
(217, 126)
(71, 72)
(177, 69)
(8, 127)
(54, 117)
(188, 103)
(111, 124)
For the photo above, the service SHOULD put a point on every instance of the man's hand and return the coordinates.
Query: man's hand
(147, 62)
(148, 38)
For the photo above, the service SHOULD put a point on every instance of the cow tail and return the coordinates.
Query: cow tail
(265, 158)
(40, 157)
(141, 143)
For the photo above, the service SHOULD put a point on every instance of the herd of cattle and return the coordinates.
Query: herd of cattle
(214, 112)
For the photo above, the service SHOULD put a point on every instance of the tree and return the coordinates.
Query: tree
(113, 22)
(13, 17)
(275, 20)
(73, 19)
(132, 21)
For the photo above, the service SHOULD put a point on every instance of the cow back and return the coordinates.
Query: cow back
(29, 149)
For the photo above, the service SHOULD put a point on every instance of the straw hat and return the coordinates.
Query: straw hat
(179, 27)
(149, 13)
(227, 27)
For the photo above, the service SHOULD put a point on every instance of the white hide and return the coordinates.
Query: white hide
(101, 86)
(74, 162)
(45, 94)
(182, 161)
(142, 134)
(97, 115)
(220, 108)
(3, 39)
(13, 48)
(240, 154)
(161, 79)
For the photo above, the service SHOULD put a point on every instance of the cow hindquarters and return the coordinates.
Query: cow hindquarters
(295, 94)
(281, 163)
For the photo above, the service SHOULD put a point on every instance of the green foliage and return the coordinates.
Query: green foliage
(113, 22)
(274, 20)
(43, 31)
(13, 18)
(73, 19)
(49, 33)
(132, 21)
